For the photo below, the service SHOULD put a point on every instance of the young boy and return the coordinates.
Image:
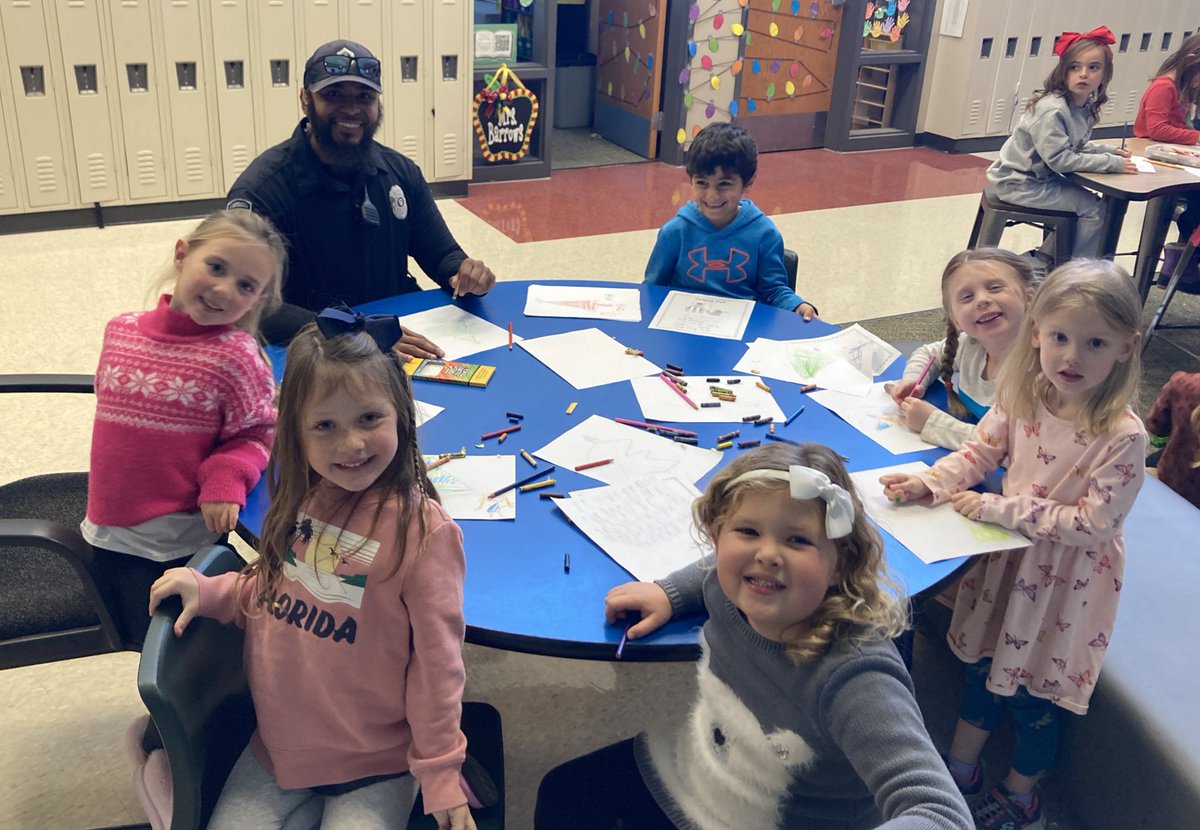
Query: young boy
(719, 242)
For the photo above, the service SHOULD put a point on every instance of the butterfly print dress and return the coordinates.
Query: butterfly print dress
(1045, 613)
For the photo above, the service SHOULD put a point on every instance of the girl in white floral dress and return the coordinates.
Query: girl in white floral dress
(1034, 623)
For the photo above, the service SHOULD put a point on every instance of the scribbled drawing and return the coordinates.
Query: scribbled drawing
(855, 356)
(701, 307)
(606, 304)
(807, 362)
(985, 532)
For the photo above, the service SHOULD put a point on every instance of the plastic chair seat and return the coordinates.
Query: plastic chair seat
(995, 215)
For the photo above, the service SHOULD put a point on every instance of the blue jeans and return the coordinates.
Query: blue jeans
(1035, 718)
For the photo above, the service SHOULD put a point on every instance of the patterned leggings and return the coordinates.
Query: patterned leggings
(1036, 719)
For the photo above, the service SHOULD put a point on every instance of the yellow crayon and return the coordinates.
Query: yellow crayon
(571, 408)
(762, 386)
(543, 483)
(724, 445)
(532, 461)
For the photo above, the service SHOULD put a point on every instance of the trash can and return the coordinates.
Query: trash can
(574, 90)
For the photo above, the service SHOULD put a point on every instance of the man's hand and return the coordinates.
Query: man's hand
(473, 277)
(412, 344)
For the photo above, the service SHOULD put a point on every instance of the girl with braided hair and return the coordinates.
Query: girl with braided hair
(353, 610)
(985, 292)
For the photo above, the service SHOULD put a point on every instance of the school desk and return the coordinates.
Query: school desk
(517, 596)
(1158, 190)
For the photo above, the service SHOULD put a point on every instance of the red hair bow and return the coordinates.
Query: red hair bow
(1101, 35)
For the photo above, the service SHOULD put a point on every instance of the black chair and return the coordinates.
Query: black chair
(54, 601)
(995, 215)
(1156, 322)
(791, 263)
(195, 689)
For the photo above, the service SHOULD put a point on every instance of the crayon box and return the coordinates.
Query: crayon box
(449, 371)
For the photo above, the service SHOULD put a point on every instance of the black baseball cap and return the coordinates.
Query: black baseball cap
(342, 60)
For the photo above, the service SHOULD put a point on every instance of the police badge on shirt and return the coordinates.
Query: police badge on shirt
(398, 202)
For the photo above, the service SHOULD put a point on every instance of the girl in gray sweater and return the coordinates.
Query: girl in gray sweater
(1052, 140)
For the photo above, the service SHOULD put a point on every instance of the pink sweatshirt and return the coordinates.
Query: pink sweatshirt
(354, 674)
(184, 414)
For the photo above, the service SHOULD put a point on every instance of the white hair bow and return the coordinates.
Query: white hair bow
(807, 483)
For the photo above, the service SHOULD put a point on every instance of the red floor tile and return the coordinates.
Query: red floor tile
(631, 197)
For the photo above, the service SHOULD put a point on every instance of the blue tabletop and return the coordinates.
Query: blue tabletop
(516, 594)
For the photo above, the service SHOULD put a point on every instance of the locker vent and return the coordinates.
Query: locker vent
(240, 155)
(1131, 106)
(97, 171)
(999, 113)
(47, 181)
(450, 149)
(146, 172)
(193, 164)
(974, 112)
(410, 147)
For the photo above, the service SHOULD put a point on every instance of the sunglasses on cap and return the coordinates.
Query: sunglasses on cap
(344, 64)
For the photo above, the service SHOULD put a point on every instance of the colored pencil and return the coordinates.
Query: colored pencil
(793, 416)
(773, 437)
(592, 464)
(1124, 133)
(522, 481)
(925, 371)
(510, 337)
(659, 427)
(667, 380)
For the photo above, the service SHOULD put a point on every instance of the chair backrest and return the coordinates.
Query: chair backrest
(791, 263)
(195, 689)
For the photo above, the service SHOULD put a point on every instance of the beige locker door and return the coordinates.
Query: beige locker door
(319, 23)
(1131, 72)
(231, 68)
(38, 134)
(450, 70)
(1010, 46)
(983, 33)
(185, 76)
(87, 87)
(278, 72)
(140, 113)
(406, 79)
(8, 181)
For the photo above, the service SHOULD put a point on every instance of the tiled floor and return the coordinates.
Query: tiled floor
(873, 231)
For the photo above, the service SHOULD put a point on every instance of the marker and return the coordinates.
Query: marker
(510, 337)
(592, 464)
(532, 461)
(504, 431)
(521, 481)
(793, 416)
(925, 371)
(525, 488)
(566, 556)
(667, 380)
(762, 386)
(624, 639)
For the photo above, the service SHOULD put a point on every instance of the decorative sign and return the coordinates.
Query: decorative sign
(504, 118)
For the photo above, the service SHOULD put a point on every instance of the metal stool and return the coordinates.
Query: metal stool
(995, 215)
(1172, 286)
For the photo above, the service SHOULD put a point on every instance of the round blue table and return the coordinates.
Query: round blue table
(517, 595)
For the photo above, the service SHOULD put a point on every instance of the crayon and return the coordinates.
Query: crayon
(727, 398)
(552, 495)
(793, 416)
(734, 380)
(532, 461)
(433, 465)
(504, 431)
(676, 368)
(781, 439)
(763, 421)
(581, 467)
(566, 556)
(710, 404)
(724, 445)
(516, 415)
(772, 428)
(712, 380)
(675, 388)
(635, 352)
(503, 438)
(624, 639)
(747, 419)
(525, 488)
(653, 427)
(729, 435)
(514, 420)
(571, 408)
(742, 445)
(762, 386)
(808, 387)
(686, 439)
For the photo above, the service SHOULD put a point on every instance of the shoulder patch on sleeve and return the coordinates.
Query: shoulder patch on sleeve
(239, 204)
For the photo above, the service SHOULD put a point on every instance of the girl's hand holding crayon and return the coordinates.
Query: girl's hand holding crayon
(456, 818)
(1124, 152)
(916, 412)
(180, 582)
(968, 503)
(646, 598)
(220, 516)
(903, 389)
(901, 488)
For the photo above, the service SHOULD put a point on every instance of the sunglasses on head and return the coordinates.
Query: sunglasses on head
(343, 64)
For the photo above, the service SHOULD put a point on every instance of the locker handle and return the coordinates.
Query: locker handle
(449, 67)
(235, 74)
(85, 78)
(408, 69)
(34, 80)
(139, 77)
(185, 74)
(279, 72)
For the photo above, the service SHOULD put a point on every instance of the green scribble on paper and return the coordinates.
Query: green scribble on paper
(985, 531)
(807, 363)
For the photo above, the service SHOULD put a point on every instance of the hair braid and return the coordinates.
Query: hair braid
(949, 353)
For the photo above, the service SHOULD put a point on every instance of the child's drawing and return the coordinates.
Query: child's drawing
(584, 302)
(464, 485)
(459, 332)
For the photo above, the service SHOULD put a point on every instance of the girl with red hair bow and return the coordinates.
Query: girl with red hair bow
(1053, 136)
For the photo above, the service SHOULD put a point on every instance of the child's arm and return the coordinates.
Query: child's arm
(1113, 485)
(772, 282)
(660, 268)
(977, 457)
(913, 369)
(244, 445)
(869, 711)
(432, 595)
(944, 429)
(215, 597)
(1052, 142)
(658, 602)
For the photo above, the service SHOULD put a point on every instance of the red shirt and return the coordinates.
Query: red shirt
(1162, 116)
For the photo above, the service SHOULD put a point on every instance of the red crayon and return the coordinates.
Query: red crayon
(488, 435)
(591, 464)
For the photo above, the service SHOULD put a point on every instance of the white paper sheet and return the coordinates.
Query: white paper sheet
(584, 302)
(705, 314)
(659, 403)
(426, 411)
(587, 358)
(931, 533)
(875, 416)
(464, 485)
(1142, 164)
(845, 360)
(459, 333)
(635, 453)
(653, 536)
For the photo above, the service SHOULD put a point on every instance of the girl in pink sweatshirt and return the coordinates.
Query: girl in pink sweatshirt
(353, 610)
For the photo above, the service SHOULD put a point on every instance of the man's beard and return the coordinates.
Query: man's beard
(343, 156)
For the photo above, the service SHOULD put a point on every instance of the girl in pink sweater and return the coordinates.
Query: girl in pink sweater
(353, 610)
(184, 410)
(1033, 623)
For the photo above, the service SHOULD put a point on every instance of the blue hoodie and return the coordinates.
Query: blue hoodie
(744, 259)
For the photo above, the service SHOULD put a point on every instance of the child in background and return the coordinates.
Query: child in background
(719, 242)
(1176, 414)
(1163, 114)
(1052, 139)
(1033, 623)
(985, 292)
(184, 410)
(805, 715)
(353, 610)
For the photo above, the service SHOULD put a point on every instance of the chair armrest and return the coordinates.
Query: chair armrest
(47, 383)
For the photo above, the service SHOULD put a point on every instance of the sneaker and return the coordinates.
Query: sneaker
(967, 786)
(997, 811)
